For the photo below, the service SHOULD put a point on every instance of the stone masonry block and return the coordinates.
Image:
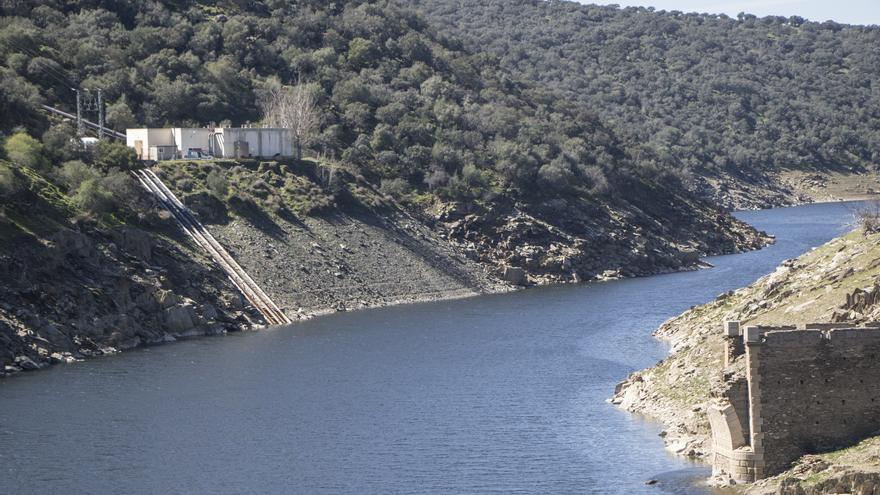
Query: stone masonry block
(793, 338)
(731, 328)
(752, 335)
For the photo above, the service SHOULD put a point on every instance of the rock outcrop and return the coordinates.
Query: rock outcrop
(317, 245)
(100, 291)
(590, 244)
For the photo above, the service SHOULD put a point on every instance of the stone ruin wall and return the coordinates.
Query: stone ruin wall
(790, 392)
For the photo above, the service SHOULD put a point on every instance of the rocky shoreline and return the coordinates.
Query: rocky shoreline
(90, 291)
(834, 282)
(686, 430)
(80, 295)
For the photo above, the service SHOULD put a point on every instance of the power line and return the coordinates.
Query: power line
(91, 103)
(50, 71)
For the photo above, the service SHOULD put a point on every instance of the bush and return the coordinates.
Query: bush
(596, 177)
(74, 173)
(108, 154)
(10, 184)
(207, 207)
(108, 194)
(24, 150)
(60, 143)
(217, 184)
(93, 197)
(395, 188)
(868, 219)
(122, 186)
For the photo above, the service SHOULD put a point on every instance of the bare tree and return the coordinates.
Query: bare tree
(294, 108)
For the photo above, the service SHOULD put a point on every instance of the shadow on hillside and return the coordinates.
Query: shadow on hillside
(256, 217)
(433, 256)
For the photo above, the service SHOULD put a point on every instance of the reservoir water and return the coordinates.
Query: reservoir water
(493, 394)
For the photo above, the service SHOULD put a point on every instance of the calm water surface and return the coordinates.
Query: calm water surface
(495, 394)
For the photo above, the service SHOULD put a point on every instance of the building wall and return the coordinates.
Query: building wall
(187, 138)
(819, 391)
(262, 142)
(808, 391)
(148, 137)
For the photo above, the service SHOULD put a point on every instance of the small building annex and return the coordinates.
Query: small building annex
(220, 142)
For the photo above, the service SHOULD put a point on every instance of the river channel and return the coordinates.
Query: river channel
(493, 394)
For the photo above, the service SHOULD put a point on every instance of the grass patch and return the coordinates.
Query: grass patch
(272, 189)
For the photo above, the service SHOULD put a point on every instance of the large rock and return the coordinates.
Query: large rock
(135, 242)
(166, 298)
(180, 318)
(455, 210)
(514, 275)
(27, 363)
(70, 243)
(56, 337)
(209, 312)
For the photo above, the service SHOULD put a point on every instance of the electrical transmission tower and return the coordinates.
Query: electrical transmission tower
(86, 102)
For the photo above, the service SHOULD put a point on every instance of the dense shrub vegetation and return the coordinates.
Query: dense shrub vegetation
(95, 179)
(407, 106)
(689, 91)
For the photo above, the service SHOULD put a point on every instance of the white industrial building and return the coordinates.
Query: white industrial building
(220, 142)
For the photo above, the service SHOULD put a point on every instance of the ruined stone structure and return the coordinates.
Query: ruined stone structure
(787, 392)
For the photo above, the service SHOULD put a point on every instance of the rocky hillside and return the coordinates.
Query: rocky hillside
(525, 183)
(321, 239)
(318, 236)
(72, 288)
(92, 264)
(835, 282)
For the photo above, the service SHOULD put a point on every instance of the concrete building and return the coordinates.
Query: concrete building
(220, 142)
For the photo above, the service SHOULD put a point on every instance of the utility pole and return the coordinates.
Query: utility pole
(85, 102)
(79, 122)
(100, 115)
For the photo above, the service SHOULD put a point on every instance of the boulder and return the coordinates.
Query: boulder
(209, 312)
(134, 242)
(166, 298)
(455, 210)
(26, 363)
(62, 357)
(180, 318)
(689, 256)
(55, 336)
(514, 275)
(70, 243)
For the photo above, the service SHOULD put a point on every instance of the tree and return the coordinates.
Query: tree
(120, 116)
(10, 184)
(60, 142)
(293, 108)
(24, 150)
(109, 154)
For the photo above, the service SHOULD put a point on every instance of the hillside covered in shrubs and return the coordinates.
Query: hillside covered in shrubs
(513, 175)
(697, 94)
(409, 107)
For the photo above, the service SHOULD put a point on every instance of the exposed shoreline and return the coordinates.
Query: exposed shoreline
(344, 251)
(810, 288)
(248, 319)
